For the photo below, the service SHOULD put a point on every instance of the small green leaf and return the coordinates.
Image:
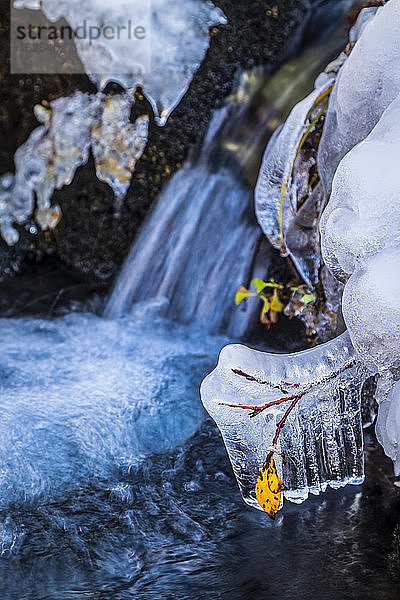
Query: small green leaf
(259, 284)
(307, 298)
(266, 306)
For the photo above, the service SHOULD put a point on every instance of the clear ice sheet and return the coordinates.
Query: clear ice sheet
(321, 441)
(163, 64)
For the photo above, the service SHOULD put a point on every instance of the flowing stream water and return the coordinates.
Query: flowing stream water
(196, 248)
(114, 485)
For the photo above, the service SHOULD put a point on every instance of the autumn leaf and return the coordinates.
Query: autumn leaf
(259, 284)
(266, 305)
(276, 304)
(241, 294)
(269, 487)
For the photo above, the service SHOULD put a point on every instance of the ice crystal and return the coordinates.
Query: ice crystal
(163, 63)
(49, 158)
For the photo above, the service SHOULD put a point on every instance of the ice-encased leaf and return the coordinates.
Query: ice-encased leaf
(163, 63)
(322, 438)
(269, 487)
(280, 187)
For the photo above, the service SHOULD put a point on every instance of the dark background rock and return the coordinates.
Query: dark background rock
(90, 243)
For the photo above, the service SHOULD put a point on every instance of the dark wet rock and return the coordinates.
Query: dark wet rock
(89, 239)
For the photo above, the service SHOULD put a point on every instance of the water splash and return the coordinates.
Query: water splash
(83, 398)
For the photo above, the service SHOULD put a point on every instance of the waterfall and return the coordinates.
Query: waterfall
(196, 247)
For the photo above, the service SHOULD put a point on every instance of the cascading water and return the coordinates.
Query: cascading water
(196, 248)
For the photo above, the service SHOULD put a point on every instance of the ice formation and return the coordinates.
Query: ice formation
(321, 440)
(360, 227)
(117, 144)
(368, 82)
(281, 188)
(163, 63)
(49, 158)
(289, 197)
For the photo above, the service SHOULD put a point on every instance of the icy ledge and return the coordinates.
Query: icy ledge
(314, 393)
(163, 63)
(306, 406)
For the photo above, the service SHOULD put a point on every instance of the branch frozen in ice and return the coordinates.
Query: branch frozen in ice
(317, 428)
(256, 410)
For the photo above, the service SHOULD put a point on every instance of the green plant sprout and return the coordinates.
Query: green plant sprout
(272, 295)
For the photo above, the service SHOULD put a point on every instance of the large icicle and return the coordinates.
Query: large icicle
(321, 440)
(280, 188)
